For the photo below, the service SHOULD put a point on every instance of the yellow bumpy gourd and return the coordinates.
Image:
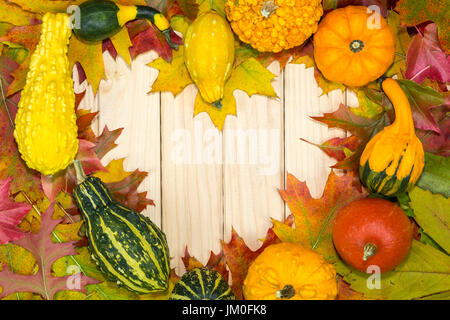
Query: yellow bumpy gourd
(45, 124)
(209, 55)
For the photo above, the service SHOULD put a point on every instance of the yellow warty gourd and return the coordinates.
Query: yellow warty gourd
(209, 55)
(45, 124)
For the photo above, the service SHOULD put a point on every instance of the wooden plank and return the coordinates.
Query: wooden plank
(124, 103)
(254, 164)
(192, 202)
(303, 99)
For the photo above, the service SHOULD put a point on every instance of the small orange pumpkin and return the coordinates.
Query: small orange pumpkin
(353, 46)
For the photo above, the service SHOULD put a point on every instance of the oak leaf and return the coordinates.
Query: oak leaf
(10, 214)
(46, 253)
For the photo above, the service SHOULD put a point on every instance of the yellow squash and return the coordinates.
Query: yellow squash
(45, 124)
(290, 271)
(353, 46)
(209, 55)
(393, 159)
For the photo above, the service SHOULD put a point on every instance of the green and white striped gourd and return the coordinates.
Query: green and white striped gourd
(128, 247)
(202, 284)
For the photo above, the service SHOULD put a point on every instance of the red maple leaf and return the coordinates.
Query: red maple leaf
(425, 57)
(239, 258)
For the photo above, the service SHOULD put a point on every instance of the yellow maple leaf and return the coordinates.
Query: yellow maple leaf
(115, 172)
(122, 44)
(251, 77)
(173, 76)
(90, 56)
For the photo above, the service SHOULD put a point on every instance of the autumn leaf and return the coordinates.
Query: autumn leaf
(146, 37)
(12, 165)
(422, 99)
(123, 185)
(10, 214)
(90, 57)
(13, 14)
(121, 44)
(217, 5)
(425, 272)
(239, 258)
(251, 77)
(314, 217)
(431, 214)
(436, 175)
(362, 129)
(189, 8)
(414, 12)
(43, 6)
(426, 59)
(173, 76)
(437, 143)
(215, 262)
(46, 253)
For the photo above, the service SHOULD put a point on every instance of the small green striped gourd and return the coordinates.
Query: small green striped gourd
(202, 284)
(128, 247)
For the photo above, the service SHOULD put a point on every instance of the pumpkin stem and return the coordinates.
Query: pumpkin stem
(356, 46)
(287, 292)
(369, 250)
(81, 176)
(268, 8)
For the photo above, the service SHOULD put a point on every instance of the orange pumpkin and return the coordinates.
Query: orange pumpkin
(353, 46)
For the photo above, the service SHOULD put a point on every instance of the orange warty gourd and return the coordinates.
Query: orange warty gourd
(353, 46)
(274, 25)
(290, 271)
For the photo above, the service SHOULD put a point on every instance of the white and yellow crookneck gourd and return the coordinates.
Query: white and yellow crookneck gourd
(209, 55)
(393, 160)
(45, 124)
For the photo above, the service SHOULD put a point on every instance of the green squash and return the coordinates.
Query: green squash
(128, 247)
(100, 20)
(202, 284)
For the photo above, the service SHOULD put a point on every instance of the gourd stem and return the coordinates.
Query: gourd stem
(217, 104)
(149, 13)
(369, 250)
(287, 292)
(166, 34)
(81, 176)
(268, 8)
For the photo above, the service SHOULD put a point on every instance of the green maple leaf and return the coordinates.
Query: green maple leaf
(436, 174)
(425, 272)
(431, 213)
(414, 12)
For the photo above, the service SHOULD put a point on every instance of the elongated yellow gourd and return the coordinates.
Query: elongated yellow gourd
(209, 55)
(393, 160)
(45, 124)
